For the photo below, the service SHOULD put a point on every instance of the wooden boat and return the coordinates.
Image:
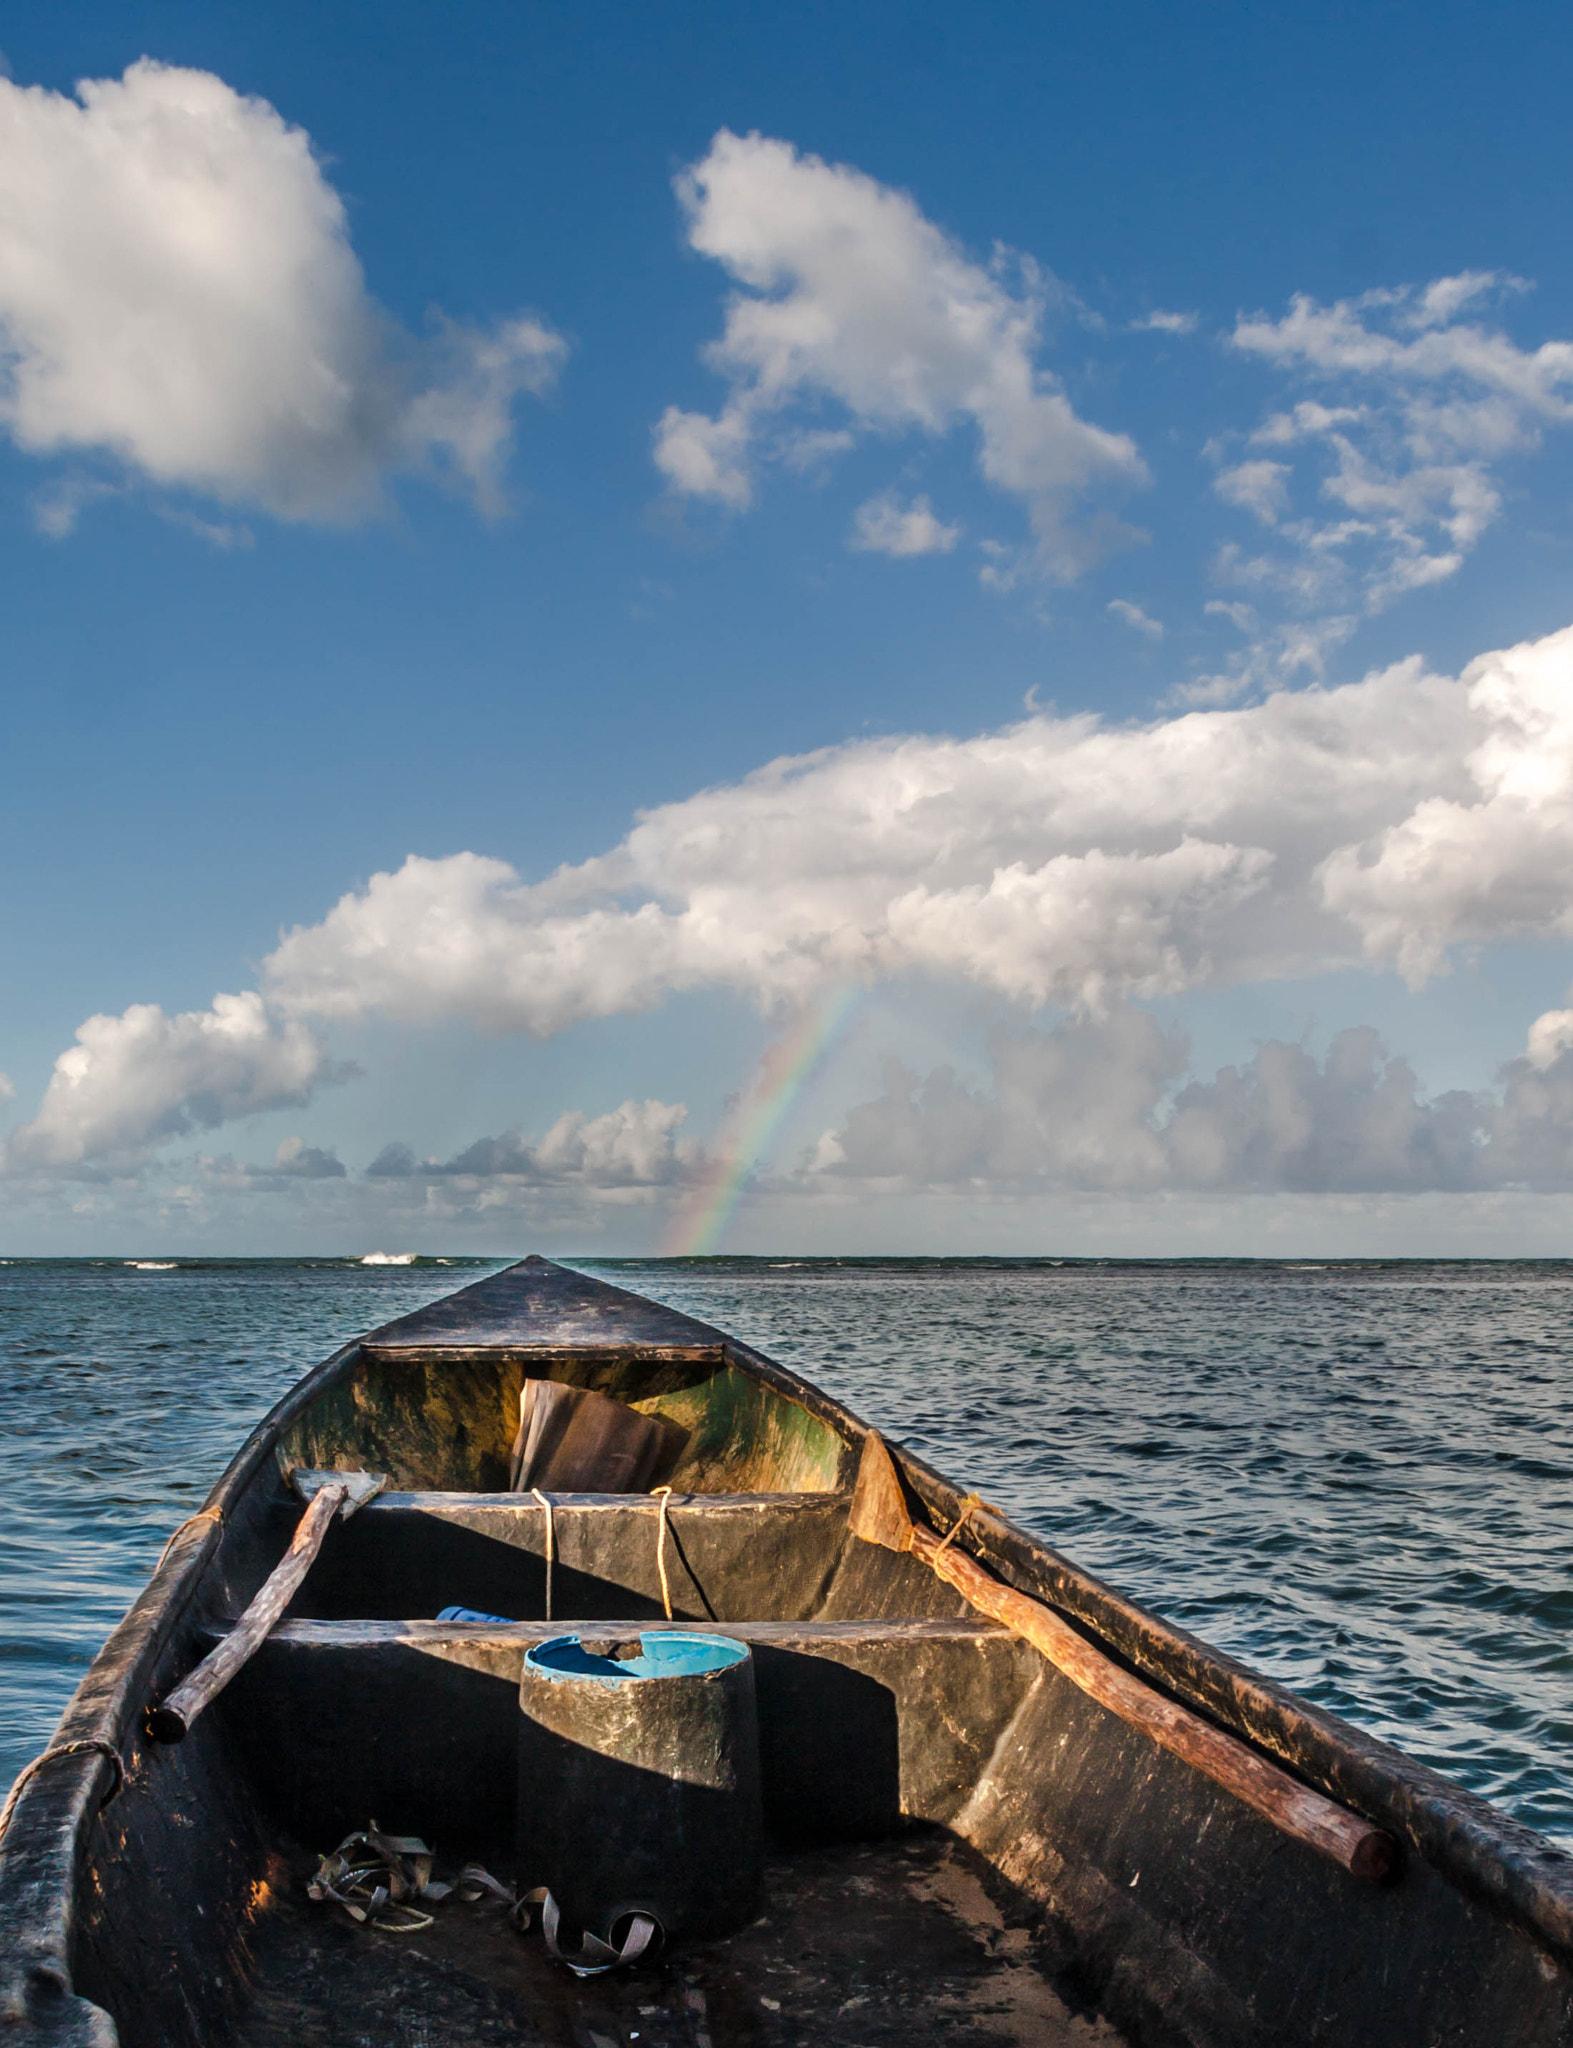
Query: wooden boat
(1005, 1805)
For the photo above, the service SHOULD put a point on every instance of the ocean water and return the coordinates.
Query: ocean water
(1357, 1478)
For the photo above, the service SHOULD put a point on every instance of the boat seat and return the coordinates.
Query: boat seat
(344, 1718)
(729, 1556)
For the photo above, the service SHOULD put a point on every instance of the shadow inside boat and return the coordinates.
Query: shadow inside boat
(427, 1740)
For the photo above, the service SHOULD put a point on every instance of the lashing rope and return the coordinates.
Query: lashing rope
(551, 1544)
(214, 1515)
(968, 1502)
(91, 1744)
(665, 1493)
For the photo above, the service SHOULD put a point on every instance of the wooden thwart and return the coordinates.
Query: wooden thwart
(880, 1515)
(328, 1493)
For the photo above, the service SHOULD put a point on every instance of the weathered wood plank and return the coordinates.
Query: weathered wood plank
(425, 1635)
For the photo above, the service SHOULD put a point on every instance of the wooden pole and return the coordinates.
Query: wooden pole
(171, 1720)
(880, 1515)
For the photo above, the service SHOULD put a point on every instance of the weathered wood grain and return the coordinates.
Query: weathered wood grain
(574, 1440)
(538, 1306)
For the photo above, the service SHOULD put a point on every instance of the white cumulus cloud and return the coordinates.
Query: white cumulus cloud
(849, 294)
(1493, 859)
(1057, 861)
(134, 1081)
(178, 292)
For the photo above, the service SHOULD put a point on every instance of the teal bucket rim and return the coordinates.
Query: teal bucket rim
(663, 1653)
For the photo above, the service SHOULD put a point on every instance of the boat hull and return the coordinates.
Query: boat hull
(1113, 1876)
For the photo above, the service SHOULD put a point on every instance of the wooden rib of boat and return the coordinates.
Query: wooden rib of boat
(1004, 1804)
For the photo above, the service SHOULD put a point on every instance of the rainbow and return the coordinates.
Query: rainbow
(754, 1123)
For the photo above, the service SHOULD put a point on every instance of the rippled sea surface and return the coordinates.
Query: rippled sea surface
(1356, 1478)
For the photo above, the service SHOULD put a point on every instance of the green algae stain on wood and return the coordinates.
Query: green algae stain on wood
(744, 1437)
(432, 1425)
(446, 1422)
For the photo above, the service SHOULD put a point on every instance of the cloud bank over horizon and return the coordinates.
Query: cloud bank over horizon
(178, 293)
(1061, 865)
(1106, 1106)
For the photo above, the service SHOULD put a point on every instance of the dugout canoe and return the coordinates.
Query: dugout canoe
(1004, 1804)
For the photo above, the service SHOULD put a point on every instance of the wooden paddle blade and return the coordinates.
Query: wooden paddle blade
(573, 1440)
(879, 1507)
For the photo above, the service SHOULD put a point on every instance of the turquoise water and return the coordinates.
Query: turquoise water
(1355, 1477)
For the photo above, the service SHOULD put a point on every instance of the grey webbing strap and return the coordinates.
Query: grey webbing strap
(595, 1956)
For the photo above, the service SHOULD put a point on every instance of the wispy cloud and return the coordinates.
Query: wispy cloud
(1160, 322)
(1382, 482)
(1133, 615)
(885, 526)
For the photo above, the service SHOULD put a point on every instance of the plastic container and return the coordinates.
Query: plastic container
(639, 1782)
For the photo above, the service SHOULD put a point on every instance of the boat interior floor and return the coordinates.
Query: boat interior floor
(881, 1702)
(911, 1939)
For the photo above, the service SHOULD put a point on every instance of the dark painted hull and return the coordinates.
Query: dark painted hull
(1100, 1866)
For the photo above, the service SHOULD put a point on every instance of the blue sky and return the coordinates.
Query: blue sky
(459, 435)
